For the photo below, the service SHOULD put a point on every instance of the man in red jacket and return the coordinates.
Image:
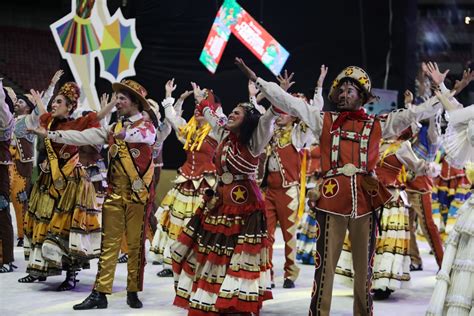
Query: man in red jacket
(350, 192)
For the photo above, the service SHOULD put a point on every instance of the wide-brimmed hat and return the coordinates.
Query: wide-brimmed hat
(134, 88)
(355, 74)
(27, 100)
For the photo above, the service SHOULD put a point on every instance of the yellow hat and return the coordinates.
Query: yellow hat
(358, 75)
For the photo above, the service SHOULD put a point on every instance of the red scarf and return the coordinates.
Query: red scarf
(358, 115)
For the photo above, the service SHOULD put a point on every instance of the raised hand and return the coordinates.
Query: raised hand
(113, 99)
(106, 106)
(435, 74)
(104, 99)
(467, 77)
(57, 76)
(198, 92)
(448, 106)
(169, 88)
(285, 80)
(37, 97)
(322, 76)
(249, 73)
(407, 97)
(253, 90)
(185, 94)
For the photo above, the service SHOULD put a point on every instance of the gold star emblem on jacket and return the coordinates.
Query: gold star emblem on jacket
(239, 194)
(330, 188)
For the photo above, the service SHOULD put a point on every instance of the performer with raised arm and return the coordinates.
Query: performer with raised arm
(350, 192)
(419, 189)
(308, 230)
(453, 293)
(452, 188)
(6, 228)
(220, 259)
(129, 178)
(23, 154)
(284, 163)
(195, 176)
(62, 225)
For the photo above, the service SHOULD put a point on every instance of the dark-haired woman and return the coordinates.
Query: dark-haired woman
(62, 225)
(220, 260)
(195, 176)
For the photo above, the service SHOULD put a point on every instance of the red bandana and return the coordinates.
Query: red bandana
(358, 115)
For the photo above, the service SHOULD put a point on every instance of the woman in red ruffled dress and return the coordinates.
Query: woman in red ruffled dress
(220, 259)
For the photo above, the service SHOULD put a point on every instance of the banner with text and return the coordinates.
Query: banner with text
(232, 18)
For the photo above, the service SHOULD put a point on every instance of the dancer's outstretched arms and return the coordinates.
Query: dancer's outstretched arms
(285, 101)
(253, 93)
(318, 90)
(48, 94)
(178, 106)
(106, 106)
(173, 117)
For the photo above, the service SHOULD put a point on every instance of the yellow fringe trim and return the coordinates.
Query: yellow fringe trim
(194, 136)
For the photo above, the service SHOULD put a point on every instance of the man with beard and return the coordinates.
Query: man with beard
(350, 193)
(130, 175)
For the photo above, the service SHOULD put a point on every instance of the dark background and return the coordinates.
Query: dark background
(172, 33)
(334, 33)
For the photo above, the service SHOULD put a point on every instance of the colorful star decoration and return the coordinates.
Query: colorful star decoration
(119, 48)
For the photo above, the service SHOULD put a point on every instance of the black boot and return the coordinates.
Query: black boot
(133, 301)
(416, 267)
(288, 284)
(70, 281)
(20, 242)
(380, 295)
(165, 273)
(94, 300)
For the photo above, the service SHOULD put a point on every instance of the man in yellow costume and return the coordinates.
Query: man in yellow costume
(130, 174)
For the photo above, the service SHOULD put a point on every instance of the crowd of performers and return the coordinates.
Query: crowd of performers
(347, 190)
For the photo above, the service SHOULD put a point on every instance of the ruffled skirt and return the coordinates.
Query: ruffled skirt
(175, 211)
(98, 176)
(221, 263)
(454, 289)
(67, 227)
(449, 195)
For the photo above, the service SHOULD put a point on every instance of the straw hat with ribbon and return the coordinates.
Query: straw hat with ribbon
(133, 88)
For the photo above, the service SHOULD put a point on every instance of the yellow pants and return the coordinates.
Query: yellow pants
(120, 215)
(18, 196)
